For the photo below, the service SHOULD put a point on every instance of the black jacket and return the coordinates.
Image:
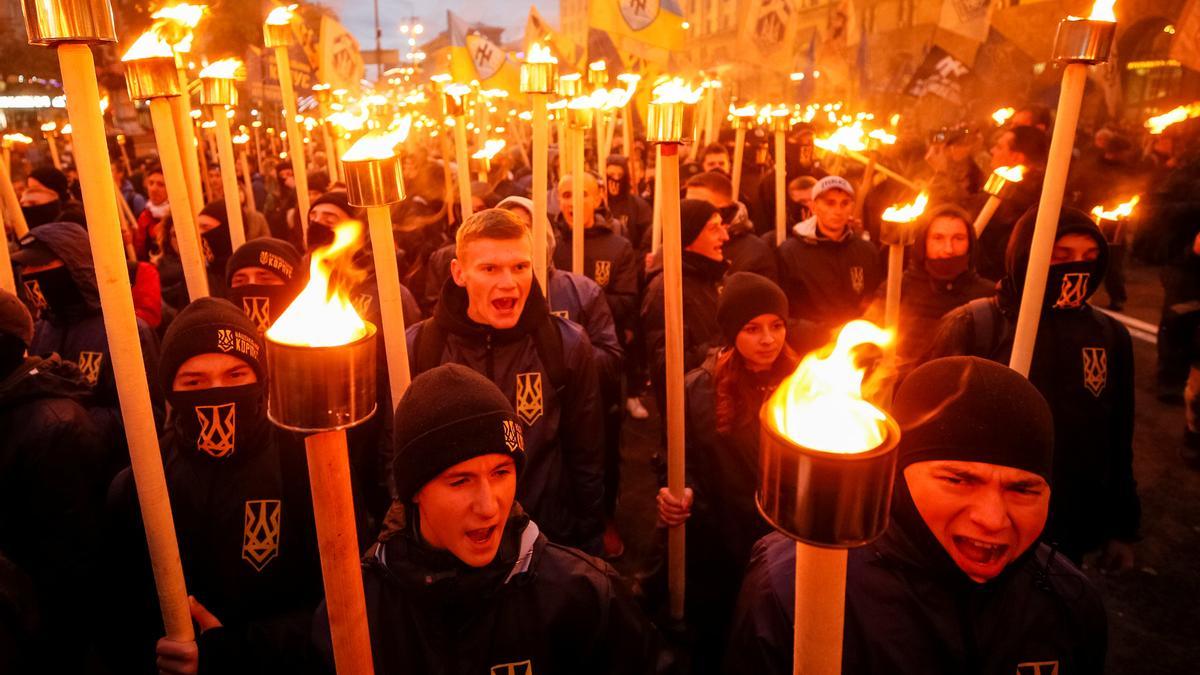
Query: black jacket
(579, 299)
(52, 482)
(993, 242)
(632, 216)
(701, 287)
(563, 480)
(1083, 365)
(248, 547)
(608, 260)
(748, 252)
(826, 281)
(540, 607)
(909, 609)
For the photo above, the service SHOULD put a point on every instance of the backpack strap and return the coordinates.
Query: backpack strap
(548, 341)
(427, 347)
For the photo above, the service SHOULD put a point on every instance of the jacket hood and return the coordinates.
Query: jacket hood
(39, 378)
(808, 233)
(1016, 258)
(741, 222)
(918, 251)
(69, 243)
(451, 313)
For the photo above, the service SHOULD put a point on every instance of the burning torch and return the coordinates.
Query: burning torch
(1000, 186)
(374, 181)
(669, 121)
(277, 35)
(579, 120)
(538, 75)
(9, 194)
(150, 76)
(1113, 220)
(898, 234)
(71, 26)
(218, 90)
(243, 139)
(50, 133)
(176, 24)
(454, 100)
(850, 142)
(780, 121)
(743, 119)
(321, 356)
(827, 462)
(1079, 43)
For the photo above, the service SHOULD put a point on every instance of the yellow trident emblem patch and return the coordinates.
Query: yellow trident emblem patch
(260, 537)
(34, 290)
(529, 397)
(259, 311)
(89, 365)
(857, 279)
(603, 272)
(561, 313)
(1074, 290)
(1095, 369)
(218, 426)
(513, 437)
(1038, 668)
(519, 668)
(225, 341)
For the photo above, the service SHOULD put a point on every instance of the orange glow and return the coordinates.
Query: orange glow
(597, 65)
(908, 212)
(1003, 115)
(225, 69)
(241, 139)
(49, 126)
(844, 138)
(322, 315)
(1103, 10)
(539, 54)
(883, 137)
(184, 14)
(744, 111)
(489, 149)
(676, 91)
(821, 405)
(629, 79)
(1159, 124)
(66, 130)
(378, 144)
(1121, 212)
(149, 46)
(1012, 174)
(9, 139)
(281, 16)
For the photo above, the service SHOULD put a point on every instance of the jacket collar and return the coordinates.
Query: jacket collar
(451, 314)
(809, 233)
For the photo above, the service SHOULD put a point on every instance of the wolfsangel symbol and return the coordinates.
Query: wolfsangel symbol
(519, 668)
(89, 365)
(529, 397)
(857, 279)
(1038, 668)
(487, 57)
(639, 13)
(218, 426)
(260, 537)
(259, 311)
(1095, 369)
(603, 271)
(513, 436)
(1074, 290)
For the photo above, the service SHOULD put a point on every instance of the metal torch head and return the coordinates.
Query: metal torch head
(52, 22)
(374, 182)
(1084, 41)
(669, 122)
(155, 77)
(826, 499)
(316, 389)
(538, 78)
(277, 35)
(218, 91)
(999, 186)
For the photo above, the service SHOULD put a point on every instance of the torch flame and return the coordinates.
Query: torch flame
(676, 91)
(241, 139)
(598, 66)
(225, 69)
(49, 126)
(1102, 10)
(281, 16)
(149, 46)
(744, 111)
(66, 130)
(883, 136)
(378, 145)
(539, 54)
(1003, 115)
(629, 79)
(1012, 174)
(844, 138)
(489, 149)
(17, 138)
(184, 14)
(1159, 124)
(457, 91)
(1122, 211)
(821, 405)
(322, 315)
(908, 212)
(176, 23)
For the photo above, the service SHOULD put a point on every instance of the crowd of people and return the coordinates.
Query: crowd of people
(486, 505)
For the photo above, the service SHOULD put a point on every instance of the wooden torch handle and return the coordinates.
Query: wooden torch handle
(668, 168)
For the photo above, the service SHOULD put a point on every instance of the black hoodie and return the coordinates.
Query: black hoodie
(1083, 365)
(608, 260)
(563, 480)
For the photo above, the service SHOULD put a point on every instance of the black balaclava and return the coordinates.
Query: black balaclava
(1069, 285)
(618, 188)
(41, 214)
(221, 422)
(53, 290)
(944, 269)
(320, 235)
(216, 242)
(263, 303)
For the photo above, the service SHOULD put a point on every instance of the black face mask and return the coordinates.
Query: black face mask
(42, 213)
(1069, 285)
(319, 235)
(219, 422)
(12, 354)
(217, 246)
(54, 290)
(947, 269)
(262, 303)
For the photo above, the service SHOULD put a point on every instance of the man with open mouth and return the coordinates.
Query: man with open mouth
(462, 580)
(959, 582)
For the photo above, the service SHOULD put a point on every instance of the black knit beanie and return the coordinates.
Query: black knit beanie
(340, 199)
(448, 415)
(274, 255)
(216, 209)
(694, 214)
(211, 326)
(53, 179)
(969, 409)
(747, 295)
